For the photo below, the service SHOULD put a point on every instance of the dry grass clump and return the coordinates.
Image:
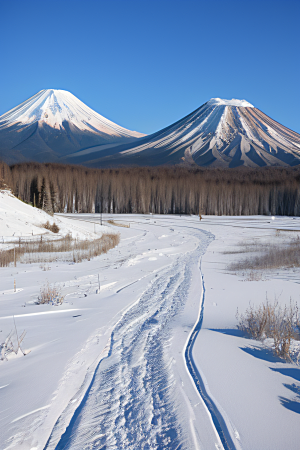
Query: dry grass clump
(118, 224)
(50, 295)
(271, 320)
(12, 343)
(253, 276)
(54, 227)
(63, 249)
(86, 250)
(271, 256)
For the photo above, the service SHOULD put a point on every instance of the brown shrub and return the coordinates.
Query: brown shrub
(54, 228)
(280, 323)
(50, 295)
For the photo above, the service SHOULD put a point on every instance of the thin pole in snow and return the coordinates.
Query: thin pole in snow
(99, 282)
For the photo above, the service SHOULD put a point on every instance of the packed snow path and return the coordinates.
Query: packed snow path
(135, 398)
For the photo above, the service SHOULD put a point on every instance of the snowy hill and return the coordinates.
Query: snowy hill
(221, 133)
(20, 220)
(54, 123)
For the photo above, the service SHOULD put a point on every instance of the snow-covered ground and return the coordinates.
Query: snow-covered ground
(256, 392)
(125, 368)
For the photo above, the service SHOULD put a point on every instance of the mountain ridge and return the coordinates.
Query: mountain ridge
(54, 126)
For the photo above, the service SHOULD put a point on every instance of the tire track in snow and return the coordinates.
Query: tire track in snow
(216, 416)
(132, 401)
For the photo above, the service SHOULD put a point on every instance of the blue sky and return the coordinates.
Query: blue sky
(146, 63)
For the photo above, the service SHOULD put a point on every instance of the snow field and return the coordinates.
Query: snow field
(58, 340)
(251, 387)
(136, 397)
(110, 370)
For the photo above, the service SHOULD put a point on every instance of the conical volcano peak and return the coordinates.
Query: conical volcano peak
(54, 123)
(220, 133)
(55, 106)
(232, 102)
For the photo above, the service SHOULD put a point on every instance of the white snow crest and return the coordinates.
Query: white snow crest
(232, 102)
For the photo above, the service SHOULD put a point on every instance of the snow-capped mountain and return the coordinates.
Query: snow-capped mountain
(55, 126)
(221, 133)
(54, 123)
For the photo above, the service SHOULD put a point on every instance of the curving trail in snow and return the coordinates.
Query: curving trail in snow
(136, 397)
(216, 415)
(130, 401)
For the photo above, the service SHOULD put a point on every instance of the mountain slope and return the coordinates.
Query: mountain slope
(221, 133)
(52, 124)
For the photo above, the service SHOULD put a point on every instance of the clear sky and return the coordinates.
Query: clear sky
(146, 63)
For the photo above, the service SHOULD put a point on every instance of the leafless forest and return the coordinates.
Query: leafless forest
(162, 190)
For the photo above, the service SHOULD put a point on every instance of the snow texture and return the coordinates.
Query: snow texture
(113, 369)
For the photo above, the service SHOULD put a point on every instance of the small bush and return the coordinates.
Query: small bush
(54, 228)
(280, 323)
(50, 295)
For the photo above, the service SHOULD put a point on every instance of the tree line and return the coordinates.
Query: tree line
(160, 190)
